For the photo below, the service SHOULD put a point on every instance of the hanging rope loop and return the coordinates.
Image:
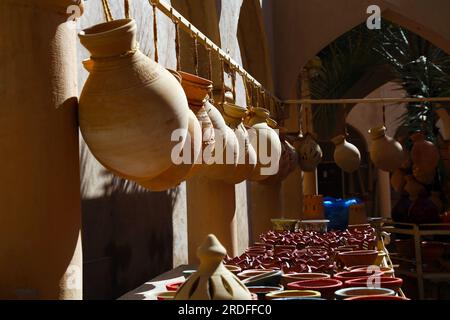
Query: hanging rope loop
(154, 3)
(107, 11)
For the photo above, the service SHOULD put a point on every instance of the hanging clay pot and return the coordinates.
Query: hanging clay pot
(197, 89)
(424, 154)
(234, 116)
(313, 208)
(346, 155)
(226, 151)
(212, 281)
(398, 180)
(386, 153)
(414, 188)
(436, 199)
(129, 105)
(186, 154)
(266, 143)
(423, 175)
(309, 153)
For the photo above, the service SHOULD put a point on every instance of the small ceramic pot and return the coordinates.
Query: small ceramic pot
(384, 282)
(342, 294)
(349, 275)
(424, 154)
(366, 298)
(326, 287)
(346, 155)
(174, 286)
(386, 153)
(166, 295)
(270, 279)
(252, 272)
(284, 224)
(293, 294)
(262, 291)
(387, 272)
(295, 277)
(310, 153)
(358, 257)
(314, 225)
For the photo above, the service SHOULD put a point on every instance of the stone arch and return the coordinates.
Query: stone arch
(253, 42)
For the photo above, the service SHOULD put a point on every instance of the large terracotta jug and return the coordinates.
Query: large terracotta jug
(267, 144)
(309, 152)
(226, 151)
(424, 154)
(130, 105)
(346, 155)
(386, 153)
(234, 116)
(197, 90)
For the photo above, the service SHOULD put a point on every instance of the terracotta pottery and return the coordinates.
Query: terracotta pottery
(234, 269)
(309, 153)
(295, 277)
(313, 208)
(346, 155)
(384, 282)
(423, 176)
(197, 90)
(270, 279)
(130, 105)
(263, 290)
(293, 294)
(174, 286)
(165, 295)
(266, 143)
(398, 180)
(362, 291)
(284, 224)
(413, 188)
(225, 156)
(288, 162)
(436, 199)
(354, 258)
(386, 153)
(187, 153)
(234, 116)
(326, 287)
(357, 214)
(314, 225)
(252, 272)
(348, 275)
(387, 272)
(424, 154)
(375, 297)
(212, 273)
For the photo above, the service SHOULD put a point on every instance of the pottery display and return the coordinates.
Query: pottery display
(413, 188)
(188, 153)
(424, 154)
(165, 295)
(284, 224)
(309, 153)
(266, 143)
(357, 214)
(376, 297)
(398, 180)
(130, 105)
(345, 293)
(386, 153)
(383, 282)
(197, 92)
(174, 286)
(295, 277)
(252, 273)
(293, 294)
(314, 225)
(358, 257)
(346, 155)
(271, 278)
(387, 271)
(288, 162)
(233, 269)
(263, 290)
(313, 208)
(349, 275)
(326, 287)
(233, 116)
(212, 272)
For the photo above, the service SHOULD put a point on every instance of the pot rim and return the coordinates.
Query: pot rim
(120, 24)
(309, 284)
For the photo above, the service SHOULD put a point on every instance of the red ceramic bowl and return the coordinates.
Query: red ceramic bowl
(366, 298)
(358, 257)
(174, 286)
(349, 275)
(252, 272)
(295, 277)
(166, 295)
(326, 287)
(385, 282)
(234, 269)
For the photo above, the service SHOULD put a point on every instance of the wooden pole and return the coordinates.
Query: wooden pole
(367, 100)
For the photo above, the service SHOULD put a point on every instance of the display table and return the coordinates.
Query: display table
(149, 289)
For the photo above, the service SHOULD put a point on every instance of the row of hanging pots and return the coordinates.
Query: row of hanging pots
(135, 116)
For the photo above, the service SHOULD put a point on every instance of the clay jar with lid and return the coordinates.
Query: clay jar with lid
(346, 155)
(197, 91)
(266, 143)
(234, 116)
(424, 154)
(386, 153)
(130, 105)
(225, 157)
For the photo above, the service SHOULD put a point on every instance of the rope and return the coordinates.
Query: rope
(233, 84)
(222, 68)
(177, 45)
(126, 5)
(195, 54)
(155, 31)
(210, 70)
(107, 11)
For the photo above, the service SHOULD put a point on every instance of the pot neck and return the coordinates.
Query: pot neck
(377, 133)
